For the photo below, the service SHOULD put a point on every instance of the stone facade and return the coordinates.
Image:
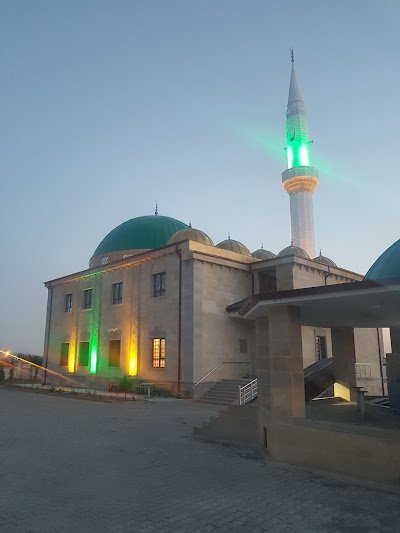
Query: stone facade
(201, 337)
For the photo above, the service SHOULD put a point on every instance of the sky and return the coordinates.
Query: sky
(109, 107)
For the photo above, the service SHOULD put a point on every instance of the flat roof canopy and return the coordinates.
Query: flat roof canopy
(358, 305)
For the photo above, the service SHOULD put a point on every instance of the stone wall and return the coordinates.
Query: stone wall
(216, 335)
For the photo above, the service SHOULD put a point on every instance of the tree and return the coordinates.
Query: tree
(2, 375)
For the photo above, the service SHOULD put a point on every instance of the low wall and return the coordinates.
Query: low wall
(235, 424)
(368, 453)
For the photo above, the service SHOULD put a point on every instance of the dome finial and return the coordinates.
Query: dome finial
(190, 224)
(262, 246)
(229, 235)
(291, 55)
(320, 252)
(291, 242)
(156, 211)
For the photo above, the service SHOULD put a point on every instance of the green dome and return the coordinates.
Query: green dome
(141, 233)
(387, 265)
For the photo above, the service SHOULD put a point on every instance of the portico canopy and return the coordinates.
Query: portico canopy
(362, 304)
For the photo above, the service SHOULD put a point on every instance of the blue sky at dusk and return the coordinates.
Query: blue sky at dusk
(108, 107)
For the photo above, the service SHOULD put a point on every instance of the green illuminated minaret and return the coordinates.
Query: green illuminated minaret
(300, 178)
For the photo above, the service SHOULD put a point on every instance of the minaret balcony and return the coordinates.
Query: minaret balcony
(295, 172)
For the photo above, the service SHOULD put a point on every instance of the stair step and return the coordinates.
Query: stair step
(223, 391)
(221, 397)
(226, 386)
(213, 402)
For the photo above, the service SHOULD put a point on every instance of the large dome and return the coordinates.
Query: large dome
(294, 250)
(387, 265)
(191, 234)
(234, 246)
(141, 233)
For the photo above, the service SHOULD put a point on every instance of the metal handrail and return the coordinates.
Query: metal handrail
(248, 392)
(218, 365)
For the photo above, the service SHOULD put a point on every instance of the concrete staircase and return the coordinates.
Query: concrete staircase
(235, 424)
(224, 392)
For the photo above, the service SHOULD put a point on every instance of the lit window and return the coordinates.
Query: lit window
(243, 345)
(83, 353)
(117, 293)
(68, 303)
(320, 347)
(87, 299)
(64, 354)
(159, 284)
(114, 353)
(158, 353)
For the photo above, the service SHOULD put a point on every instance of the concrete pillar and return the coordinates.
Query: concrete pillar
(344, 359)
(280, 365)
(395, 339)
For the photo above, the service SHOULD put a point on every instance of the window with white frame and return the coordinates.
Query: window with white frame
(117, 293)
(159, 284)
(87, 299)
(68, 303)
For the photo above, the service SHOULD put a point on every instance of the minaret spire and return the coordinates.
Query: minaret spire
(300, 178)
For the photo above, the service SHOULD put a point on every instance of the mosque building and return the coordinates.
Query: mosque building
(160, 301)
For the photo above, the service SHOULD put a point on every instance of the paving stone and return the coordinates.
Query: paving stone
(80, 466)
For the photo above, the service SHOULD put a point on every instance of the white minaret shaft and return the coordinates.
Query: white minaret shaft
(300, 179)
(302, 221)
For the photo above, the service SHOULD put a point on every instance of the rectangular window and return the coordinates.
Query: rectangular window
(243, 345)
(114, 353)
(159, 284)
(158, 353)
(267, 280)
(83, 353)
(320, 347)
(68, 303)
(117, 293)
(87, 299)
(64, 354)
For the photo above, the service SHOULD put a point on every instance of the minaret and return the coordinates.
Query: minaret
(300, 179)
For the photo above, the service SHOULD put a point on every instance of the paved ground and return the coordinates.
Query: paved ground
(79, 466)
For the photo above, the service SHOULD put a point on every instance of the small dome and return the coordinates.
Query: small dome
(294, 250)
(387, 265)
(325, 260)
(234, 246)
(191, 234)
(262, 254)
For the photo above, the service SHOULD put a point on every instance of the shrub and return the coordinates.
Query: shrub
(125, 385)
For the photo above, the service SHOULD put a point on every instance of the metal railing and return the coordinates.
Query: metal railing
(248, 392)
(220, 364)
(223, 370)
